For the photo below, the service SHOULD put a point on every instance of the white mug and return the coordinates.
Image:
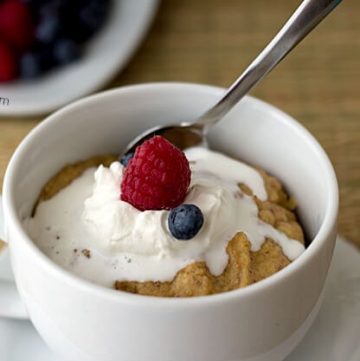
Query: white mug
(85, 322)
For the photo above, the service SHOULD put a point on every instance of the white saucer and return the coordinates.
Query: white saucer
(107, 53)
(335, 335)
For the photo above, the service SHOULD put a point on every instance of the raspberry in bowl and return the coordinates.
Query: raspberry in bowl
(157, 177)
(81, 320)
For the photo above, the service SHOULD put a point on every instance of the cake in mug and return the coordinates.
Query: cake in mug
(163, 222)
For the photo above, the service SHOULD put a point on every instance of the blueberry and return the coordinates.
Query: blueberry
(84, 19)
(93, 14)
(74, 29)
(48, 29)
(185, 221)
(29, 66)
(66, 51)
(34, 63)
(125, 159)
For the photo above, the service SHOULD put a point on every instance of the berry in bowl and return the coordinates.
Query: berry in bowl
(37, 36)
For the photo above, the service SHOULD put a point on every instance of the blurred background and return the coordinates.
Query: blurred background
(212, 41)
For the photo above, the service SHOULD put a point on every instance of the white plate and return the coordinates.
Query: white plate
(109, 51)
(335, 335)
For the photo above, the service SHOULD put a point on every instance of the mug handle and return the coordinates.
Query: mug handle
(10, 303)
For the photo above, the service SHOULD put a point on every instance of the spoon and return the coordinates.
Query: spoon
(187, 134)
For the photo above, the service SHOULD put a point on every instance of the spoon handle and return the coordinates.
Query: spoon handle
(307, 16)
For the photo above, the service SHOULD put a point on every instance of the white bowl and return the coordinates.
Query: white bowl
(84, 322)
(106, 54)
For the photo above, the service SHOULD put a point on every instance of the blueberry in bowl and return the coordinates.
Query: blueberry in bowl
(40, 35)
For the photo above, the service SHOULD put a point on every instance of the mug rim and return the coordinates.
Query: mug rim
(327, 225)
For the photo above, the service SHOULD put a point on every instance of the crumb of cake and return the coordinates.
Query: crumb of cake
(86, 253)
(245, 189)
(276, 192)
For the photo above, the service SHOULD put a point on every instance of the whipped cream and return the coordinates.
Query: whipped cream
(127, 244)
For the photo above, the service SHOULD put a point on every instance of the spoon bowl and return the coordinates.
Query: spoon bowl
(188, 134)
(183, 135)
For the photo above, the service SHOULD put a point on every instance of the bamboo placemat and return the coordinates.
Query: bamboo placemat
(211, 41)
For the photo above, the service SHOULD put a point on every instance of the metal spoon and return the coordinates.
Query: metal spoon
(308, 15)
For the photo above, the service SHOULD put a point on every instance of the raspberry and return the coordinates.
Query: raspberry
(157, 177)
(7, 63)
(16, 25)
